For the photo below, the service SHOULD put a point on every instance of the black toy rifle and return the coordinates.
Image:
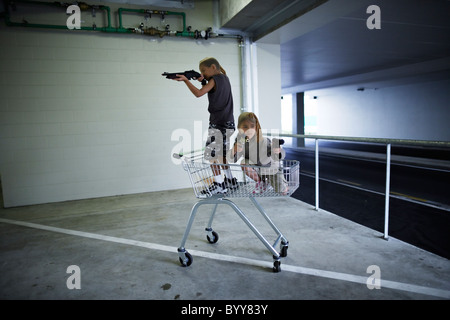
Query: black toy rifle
(243, 139)
(277, 143)
(190, 74)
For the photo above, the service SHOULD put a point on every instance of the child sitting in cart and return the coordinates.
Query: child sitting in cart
(261, 152)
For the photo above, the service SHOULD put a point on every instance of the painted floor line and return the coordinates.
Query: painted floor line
(215, 256)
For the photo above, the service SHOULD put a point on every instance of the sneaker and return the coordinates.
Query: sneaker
(216, 188)
(231, 184)
(260, 187)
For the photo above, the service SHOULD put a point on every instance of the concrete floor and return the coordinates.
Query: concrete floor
(126, 248)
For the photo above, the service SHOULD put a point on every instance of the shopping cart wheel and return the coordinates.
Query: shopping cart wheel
(214, 239)
(284, 248)
(283, 252)
(277, 266)
(188, 261)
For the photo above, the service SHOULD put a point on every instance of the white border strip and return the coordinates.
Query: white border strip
(266, 264)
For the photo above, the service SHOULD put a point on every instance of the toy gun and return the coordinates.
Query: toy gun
(241, 139)
(277, 143)
(191, 74)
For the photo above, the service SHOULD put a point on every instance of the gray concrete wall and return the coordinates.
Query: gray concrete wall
(413, 111)
(229, 8)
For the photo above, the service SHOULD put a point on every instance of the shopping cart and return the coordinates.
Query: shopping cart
(280, 179)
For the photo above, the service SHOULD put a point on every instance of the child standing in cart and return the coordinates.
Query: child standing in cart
(258, 151)
(221, 120)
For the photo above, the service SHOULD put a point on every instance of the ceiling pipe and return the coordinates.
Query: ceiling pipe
(203, 34)
(83, 6)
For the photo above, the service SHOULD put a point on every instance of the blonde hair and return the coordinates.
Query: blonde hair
(208, 62)
(252, 118)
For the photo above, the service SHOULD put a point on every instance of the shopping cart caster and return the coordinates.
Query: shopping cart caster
(277, 266)
(212, 236)
(284, 247)
(185, 257)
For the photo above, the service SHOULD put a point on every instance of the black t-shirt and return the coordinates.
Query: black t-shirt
(220, 101)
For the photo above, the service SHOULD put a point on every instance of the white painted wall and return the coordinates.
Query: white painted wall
(414, 111)
(88, 114)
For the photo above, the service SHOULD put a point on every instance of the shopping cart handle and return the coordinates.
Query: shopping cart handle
(189, 154)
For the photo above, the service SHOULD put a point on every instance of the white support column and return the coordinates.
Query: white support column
(267, 84)
(317, 175)
(388, 180)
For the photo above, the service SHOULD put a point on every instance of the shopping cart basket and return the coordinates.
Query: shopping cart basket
(280, 179)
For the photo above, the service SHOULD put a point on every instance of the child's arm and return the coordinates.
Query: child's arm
(196, 91)
(232, 154)
(236, 151)
(278, 152)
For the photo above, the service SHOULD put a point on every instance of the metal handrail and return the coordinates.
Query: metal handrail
(429, 143)
(387, 142)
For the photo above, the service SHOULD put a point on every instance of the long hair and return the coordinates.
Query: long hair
(252, 118)
(208, 62)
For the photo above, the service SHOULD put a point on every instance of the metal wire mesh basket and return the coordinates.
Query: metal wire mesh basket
(279, 179)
